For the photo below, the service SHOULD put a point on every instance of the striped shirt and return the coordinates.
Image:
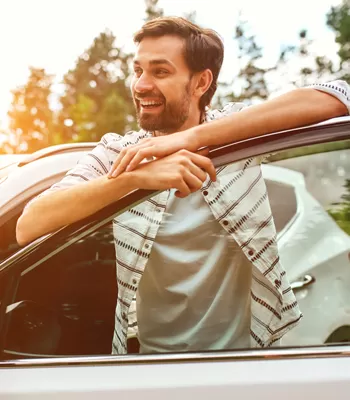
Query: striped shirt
(238, 201)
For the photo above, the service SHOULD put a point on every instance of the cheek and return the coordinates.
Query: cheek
(171, 90)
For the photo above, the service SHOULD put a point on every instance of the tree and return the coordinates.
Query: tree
(250, 82)
(338, 19)
(300, 65)
(96, 86)
(30, 114)
(153, 10)
(341, 211)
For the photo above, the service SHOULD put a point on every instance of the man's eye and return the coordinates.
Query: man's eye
(161, 72)
(138, 72)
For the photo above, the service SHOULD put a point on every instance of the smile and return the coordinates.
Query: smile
(150, 105)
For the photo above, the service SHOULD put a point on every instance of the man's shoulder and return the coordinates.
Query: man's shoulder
(228, 109)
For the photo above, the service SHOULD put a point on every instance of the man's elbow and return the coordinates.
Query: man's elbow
(23, 234)
(339, 108)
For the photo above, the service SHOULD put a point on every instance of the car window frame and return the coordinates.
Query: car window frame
(47, 246)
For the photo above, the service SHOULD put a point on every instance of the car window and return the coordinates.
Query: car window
(195, 292)
(283, 202)
(66, 306)
(315, 250)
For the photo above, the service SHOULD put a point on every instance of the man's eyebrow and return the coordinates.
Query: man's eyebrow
(157, 61)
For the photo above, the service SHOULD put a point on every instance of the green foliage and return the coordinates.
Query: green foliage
(341, 212)
(338, 19)
(30, 114)
(97, 98)
(313, 68)
(251, 80)
(153, 10)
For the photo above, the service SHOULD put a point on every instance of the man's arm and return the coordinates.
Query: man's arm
(62, 207)
(296, 108)
(184, 171)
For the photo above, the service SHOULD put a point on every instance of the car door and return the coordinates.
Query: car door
(58, 295)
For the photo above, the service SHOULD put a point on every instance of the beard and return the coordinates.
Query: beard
(174, 114)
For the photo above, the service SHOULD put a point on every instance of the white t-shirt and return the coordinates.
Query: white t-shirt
(194, 294)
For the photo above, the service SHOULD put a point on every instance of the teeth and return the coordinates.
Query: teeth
(150, 103)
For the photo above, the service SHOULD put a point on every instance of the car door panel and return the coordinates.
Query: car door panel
(317, 378)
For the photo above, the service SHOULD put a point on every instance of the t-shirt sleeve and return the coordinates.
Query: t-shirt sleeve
(338, 88)
(91, 166)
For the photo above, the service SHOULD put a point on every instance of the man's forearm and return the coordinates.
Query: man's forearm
(297, 108)
(55, 210)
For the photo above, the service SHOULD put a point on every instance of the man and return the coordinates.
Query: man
(192, 292)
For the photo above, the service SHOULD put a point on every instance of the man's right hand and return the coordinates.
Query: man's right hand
(183, 170)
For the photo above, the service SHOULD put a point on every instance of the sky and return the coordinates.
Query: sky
(51, 34)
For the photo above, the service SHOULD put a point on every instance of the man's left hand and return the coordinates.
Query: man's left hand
(156, 147)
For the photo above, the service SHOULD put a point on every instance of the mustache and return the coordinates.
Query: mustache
(149, 95)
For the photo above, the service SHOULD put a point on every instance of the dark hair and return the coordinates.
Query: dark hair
(203, 47)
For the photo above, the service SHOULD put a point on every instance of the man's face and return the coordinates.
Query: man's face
(161, 85)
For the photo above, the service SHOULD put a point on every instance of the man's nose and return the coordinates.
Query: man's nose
(144, 84)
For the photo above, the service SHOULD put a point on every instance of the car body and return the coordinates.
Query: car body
(8, 162)
(313, 250)
(292, 218)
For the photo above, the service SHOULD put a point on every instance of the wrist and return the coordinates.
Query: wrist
(124, 183)
(192, 139)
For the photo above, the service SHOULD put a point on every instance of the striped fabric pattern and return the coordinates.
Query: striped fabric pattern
(239, 202)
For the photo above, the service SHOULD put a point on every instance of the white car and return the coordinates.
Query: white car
(57, 296)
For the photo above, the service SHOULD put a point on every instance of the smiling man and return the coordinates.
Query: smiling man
(200, 259)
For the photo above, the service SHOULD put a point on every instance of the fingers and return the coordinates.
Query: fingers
(198, 172)
(113, 171)
(204, 163)
(122, 161)
(182, 189)
(129, 158)
(138, 158)
(189, 184)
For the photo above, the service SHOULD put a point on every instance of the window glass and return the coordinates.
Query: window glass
(283, 201)
(315, 249)
(218, 268)
(66, 306)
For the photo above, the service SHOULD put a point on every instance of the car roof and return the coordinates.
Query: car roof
(13, 161)
(8, 159)
(57, 149)
(24, 182)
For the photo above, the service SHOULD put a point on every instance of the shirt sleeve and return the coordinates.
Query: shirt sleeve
(93, 165)
(339, 89)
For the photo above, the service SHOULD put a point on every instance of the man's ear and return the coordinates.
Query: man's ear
(203, 82)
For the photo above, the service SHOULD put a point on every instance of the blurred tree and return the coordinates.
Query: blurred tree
(5, 146)
(153, 10)
(97, 85)
(300, 65)
(30, 116)
(341, 212)
(338, 19)
(250, 84)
